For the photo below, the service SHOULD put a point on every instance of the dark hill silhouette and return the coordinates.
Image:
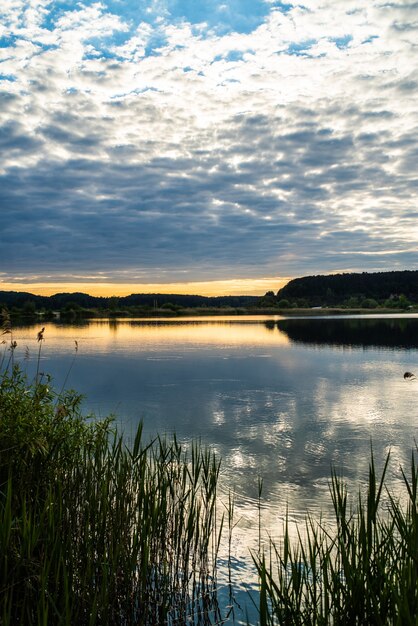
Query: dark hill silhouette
(19, 298)
(338, 288)
(61, 300)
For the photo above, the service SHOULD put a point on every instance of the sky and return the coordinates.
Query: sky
(199, 146)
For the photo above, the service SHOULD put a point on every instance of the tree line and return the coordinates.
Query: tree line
(397, 289)
(29, 303)
(394, 290)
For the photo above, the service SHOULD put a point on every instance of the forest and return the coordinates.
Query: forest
(397, 289)
(77, 302)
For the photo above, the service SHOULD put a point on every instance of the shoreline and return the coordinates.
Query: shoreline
(86, 315)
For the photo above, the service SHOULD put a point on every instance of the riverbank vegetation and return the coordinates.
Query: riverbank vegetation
(361, 570)
(94, 531)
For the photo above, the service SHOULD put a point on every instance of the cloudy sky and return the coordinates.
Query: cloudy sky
(225, 145)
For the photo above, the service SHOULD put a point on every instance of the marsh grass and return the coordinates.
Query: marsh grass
(8, 342)
(364, 571)
(93, 531)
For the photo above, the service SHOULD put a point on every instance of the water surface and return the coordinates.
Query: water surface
(280, 399)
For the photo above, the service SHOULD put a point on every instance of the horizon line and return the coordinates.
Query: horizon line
(213, 288)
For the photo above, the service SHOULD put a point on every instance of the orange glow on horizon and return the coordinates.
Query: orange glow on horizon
(233, 287)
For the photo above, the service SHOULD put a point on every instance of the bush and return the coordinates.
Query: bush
(41, 432)
(398, 302)
(93, 531)
(369, 303)
(169, 306)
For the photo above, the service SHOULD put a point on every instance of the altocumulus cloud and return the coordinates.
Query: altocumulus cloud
(207, 140)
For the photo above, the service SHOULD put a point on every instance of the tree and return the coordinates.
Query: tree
(269, 299)
(29, 307)
(369, 303)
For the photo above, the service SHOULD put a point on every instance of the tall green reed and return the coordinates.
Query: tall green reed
(93, 531)
(363, 570)
(8, 342)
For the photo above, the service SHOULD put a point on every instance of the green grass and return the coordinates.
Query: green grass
(93, 531)
(364, 571)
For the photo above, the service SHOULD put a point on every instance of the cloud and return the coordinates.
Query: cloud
(168, 140)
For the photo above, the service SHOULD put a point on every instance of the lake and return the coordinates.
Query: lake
(279, 399)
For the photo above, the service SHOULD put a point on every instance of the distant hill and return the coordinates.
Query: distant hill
(18, 298)
(353, 289)
(59, 301)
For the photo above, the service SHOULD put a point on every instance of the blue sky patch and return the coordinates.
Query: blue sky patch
(222, 17)
(242, 16)
(8, 77)
(56, 10)
(370, 39)
(284, 7)
(342, 42)
(6, 42)
(301, 48)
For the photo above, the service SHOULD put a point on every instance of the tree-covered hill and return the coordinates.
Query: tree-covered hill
(59, 301)
(393, 289)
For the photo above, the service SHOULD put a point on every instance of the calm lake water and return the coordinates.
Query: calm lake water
(281, 399)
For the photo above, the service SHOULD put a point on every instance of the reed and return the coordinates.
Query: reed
(365, 571)
(93, 531)
(8, 342)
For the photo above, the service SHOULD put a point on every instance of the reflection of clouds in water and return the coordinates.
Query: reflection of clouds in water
(296, 438)
(239, 460)
(219, 417)
(315, 450)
